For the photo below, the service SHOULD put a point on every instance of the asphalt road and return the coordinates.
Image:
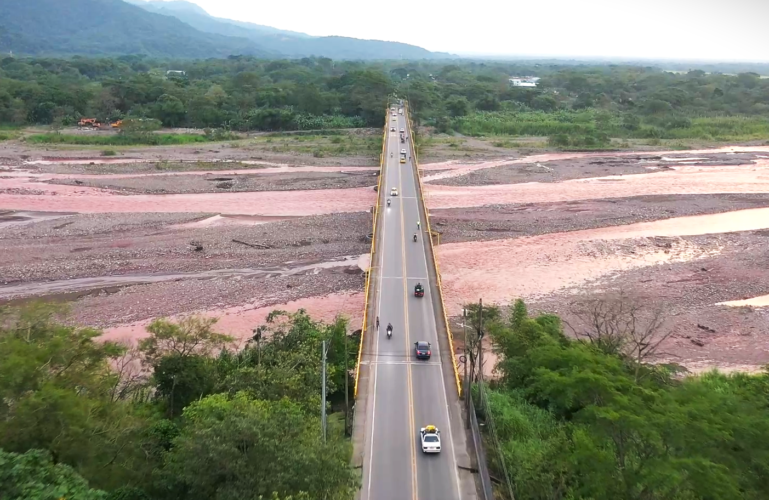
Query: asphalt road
(406, 393)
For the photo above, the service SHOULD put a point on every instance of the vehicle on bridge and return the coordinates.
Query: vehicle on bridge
(419, 290)
(403, 158)
(430, 437)
(392, 129)
(422, 349)
(394, 192)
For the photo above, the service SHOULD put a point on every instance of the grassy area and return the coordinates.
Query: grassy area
(8, 133)
(574, 126)
(320, 145)
(118, 139)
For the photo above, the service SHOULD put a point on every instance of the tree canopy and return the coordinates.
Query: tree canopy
(576, 422)
(182, 416)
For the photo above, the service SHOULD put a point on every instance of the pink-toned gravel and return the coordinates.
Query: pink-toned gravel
(456, 168)
(503, 270)
(20, 173)
(92, 200)
(753, 179)
(240, 321)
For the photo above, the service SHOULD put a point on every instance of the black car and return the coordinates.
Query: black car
(422, 349)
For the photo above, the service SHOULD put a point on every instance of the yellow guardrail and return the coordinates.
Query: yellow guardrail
(432, 249)
(382, 156)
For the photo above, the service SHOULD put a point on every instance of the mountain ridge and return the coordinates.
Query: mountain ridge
(175, 29)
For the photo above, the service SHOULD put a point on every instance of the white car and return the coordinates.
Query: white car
(403, 129)
(392, 129)
(430, 437)
(394, 192)
(403, 151)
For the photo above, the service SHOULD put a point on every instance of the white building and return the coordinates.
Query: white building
(524, 81)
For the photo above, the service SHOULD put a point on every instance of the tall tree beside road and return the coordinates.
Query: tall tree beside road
(576, 421)
(88, 405)
(259, 447)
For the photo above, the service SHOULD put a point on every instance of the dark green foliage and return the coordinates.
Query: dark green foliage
(209, 423)
(259, 447)
(573, 422)
(119, 139)
(576, 107)
(34, 476)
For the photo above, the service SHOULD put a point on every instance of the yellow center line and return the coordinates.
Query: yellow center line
(412, 428)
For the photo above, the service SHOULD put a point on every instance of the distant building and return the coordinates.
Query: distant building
(524, 81)
(176, 72)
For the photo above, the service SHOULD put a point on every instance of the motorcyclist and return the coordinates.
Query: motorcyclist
(389, 328)
(415, 237)
(391, 154)
(388, 202)
(417, 224)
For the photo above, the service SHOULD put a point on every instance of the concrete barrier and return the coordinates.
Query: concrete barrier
(368, 291)
(432, 251)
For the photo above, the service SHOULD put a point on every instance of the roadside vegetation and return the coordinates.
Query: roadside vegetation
(184, 415)
(117, 139)
(583, 106)
(328, 143)
(592, 418)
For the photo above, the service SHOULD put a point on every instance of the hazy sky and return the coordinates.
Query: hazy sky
(671, 29)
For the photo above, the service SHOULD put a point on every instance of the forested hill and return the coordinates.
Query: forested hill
(288, 43)
(179, 30)
(107, 27)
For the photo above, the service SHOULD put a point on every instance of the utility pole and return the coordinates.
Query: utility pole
(467, 360)
(323, 393)
(480, 349)
(346, 388)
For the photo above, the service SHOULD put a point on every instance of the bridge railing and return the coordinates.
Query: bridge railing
(432, 251)
(368, 291)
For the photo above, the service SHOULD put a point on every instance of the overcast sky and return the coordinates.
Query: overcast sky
(724, 30)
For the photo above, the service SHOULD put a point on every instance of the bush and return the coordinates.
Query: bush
(109, 152)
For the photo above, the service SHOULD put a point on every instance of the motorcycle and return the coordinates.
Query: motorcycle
(389, 331)
(388, 203)
(415, 238)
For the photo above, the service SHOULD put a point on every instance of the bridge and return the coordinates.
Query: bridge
(396, 393)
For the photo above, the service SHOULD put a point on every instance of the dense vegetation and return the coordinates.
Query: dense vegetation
(585, 420)
(574, 106)
(181, 417)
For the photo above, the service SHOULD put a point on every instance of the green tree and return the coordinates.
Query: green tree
(235, 448)
(193, 335)
(457, 105)
(170, 110)
(34, 476)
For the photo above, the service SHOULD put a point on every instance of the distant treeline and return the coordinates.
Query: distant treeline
(243, 93)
